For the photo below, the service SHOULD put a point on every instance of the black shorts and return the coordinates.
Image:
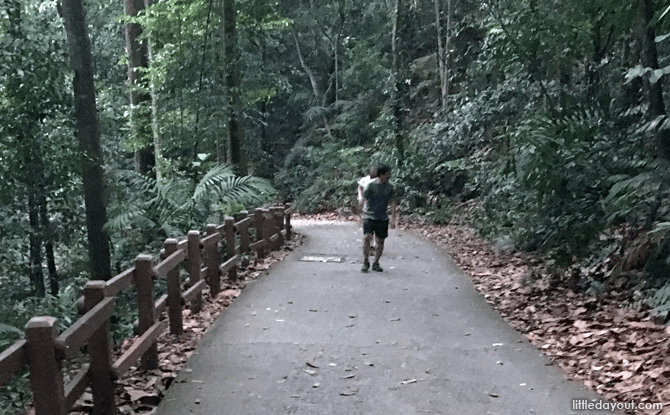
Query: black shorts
(379, 227)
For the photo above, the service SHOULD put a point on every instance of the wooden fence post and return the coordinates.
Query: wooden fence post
(279, 224)
(260, 228)
(287, 223)
(100, 372)
(213, 262)
(229, 229)
(144, 283)
(46, 379)
(268, 228)
(193, 266)
(229, 235)
(173, 292)
(244, 240)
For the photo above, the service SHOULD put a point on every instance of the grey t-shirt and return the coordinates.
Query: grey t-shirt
(377, 197)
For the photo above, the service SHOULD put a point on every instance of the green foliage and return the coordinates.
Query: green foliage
(15, 394)
(660, 301)
(14, 314)
(640, 197)
(174, 207)
(551, 193)
(322, 177)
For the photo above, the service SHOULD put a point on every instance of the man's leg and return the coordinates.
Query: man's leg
(367, 238)
(381, 232)
(380, 248)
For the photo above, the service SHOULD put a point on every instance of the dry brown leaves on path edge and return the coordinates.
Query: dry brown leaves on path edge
(618, 352)
(140, 392)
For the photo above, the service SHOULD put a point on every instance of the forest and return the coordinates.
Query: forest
(542, 124)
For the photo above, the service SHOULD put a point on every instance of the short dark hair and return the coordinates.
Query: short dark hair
(383, 169)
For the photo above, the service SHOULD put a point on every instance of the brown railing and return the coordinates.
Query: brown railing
(44, 348)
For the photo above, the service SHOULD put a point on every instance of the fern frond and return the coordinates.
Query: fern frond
(213, 180)
(6, 329)
(245, 190)
(316, 113)
(132, 215)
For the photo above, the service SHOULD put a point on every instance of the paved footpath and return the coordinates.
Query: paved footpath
(323, 338)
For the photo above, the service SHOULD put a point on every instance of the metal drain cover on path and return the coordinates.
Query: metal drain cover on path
(322, 258)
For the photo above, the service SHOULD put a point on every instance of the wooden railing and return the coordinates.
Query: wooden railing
(44, 349)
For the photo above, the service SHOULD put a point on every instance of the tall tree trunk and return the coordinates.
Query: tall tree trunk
(48, 245)
(447, 48)
(400, 39)
(222, 139)
(24, 132)
(632, 92)
(235, 129)
(338, 37)
(140, 99)
(158, 155)
(443, 50)
(320, 96)
(88, 133)
(34, 179)
(36, 274)
(650, 60)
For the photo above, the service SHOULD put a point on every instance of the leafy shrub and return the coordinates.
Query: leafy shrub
(558, 174)
(174, 207)
(322, 177)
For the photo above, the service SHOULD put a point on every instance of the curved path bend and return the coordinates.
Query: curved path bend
(323, 338)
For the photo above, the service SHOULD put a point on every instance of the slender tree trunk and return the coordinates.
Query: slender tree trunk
(650, 60)
(140, 99)
(312, 79)
(36, 274)
(158, 156)
(235, 129)
(632, 92)
(24, 131)
(400, 38)
(447, 50)
(222, 139)
(336, 55)
(443, 50)
(320, 96)
(338, 37)
(47, 235)
(440, 53)
(88, 133)
(201, 80)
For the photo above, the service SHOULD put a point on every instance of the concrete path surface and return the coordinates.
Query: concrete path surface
(323, 338)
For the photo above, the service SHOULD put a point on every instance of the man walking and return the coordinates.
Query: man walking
(378, 195)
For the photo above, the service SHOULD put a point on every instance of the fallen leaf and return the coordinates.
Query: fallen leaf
(136, 395)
